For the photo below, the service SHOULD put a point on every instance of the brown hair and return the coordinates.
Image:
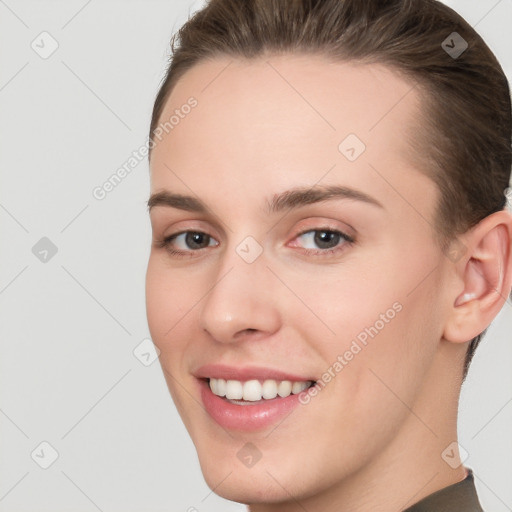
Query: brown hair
(465, 141)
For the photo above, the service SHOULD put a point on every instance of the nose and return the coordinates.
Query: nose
(241, 302)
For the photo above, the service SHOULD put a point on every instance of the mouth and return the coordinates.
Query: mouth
(255, 391)
(249, 398)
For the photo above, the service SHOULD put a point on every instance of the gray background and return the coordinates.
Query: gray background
(69, 325)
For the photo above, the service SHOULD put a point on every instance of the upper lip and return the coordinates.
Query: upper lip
(245, 373)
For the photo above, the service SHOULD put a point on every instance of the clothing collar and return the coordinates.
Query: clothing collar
(459, 497)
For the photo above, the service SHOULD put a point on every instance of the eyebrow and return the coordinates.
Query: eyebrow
(284, 201)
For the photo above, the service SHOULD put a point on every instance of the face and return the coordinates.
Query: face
(286, 253)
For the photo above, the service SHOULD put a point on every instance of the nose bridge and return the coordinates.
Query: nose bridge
(239, 297)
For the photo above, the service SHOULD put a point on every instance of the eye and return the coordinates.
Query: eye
(186, 242)
(323, 241)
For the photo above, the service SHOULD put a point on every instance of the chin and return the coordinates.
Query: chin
(248, 486)
(277, 476)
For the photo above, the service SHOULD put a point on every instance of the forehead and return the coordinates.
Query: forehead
(266, 117)
(278, 100)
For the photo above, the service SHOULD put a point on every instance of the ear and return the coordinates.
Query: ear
(485, 272)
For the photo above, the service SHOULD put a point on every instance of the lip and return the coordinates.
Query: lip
(245, 373)
(251, 417)
(246, 418)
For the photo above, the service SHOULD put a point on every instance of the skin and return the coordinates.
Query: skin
(372, 439)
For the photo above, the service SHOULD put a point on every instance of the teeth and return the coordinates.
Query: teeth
(297, 387)
(234, 389)
(269, 389)
(254, 390)
(221, 387)
(284, 388)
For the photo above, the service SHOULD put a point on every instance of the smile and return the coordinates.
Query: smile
(255, 391)
(249, 398)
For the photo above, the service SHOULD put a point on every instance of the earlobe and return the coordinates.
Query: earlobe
(486, 272)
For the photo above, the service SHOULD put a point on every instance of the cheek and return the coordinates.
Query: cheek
(373, 318)
(166, 309)
(344, 304)
(167, 302)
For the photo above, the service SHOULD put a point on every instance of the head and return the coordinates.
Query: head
(343, 178)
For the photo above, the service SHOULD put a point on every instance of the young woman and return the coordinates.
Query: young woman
(330, 242)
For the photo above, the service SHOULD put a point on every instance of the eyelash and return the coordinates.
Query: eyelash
(166, 243)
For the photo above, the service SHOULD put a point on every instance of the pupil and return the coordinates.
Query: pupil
(326, 239)
(197, 240)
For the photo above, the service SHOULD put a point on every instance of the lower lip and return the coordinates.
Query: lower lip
(246, 417)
